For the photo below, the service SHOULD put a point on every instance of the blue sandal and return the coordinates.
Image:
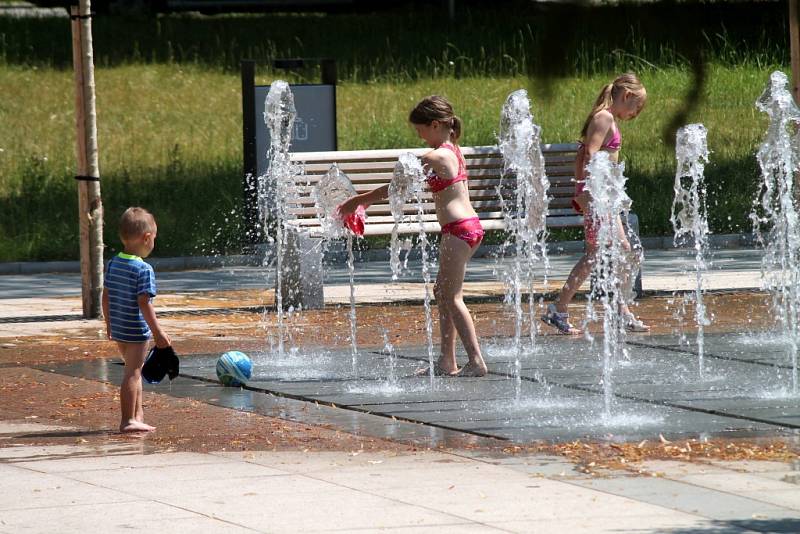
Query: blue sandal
(559, 320)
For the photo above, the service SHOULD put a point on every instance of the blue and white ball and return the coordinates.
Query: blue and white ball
(234, 368)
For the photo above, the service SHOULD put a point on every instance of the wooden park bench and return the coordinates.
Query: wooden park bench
(368, 169)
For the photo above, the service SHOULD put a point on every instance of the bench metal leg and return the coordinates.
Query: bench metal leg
(301, 285)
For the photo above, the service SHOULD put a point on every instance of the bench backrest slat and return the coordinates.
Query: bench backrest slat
(489, 189)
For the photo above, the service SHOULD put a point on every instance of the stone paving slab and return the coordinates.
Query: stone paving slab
(308, 412)
(86, 488)
(656, 390)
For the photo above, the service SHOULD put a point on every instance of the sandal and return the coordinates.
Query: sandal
(632, 324)
(559, 320)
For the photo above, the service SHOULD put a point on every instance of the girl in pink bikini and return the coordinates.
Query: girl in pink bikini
(622, 99)
(440, 128)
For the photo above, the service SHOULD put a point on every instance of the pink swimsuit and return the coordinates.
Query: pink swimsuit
(436, 184)
(468, 230)
(613, 144)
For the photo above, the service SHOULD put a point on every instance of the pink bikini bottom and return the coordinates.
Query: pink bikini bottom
(468, 230)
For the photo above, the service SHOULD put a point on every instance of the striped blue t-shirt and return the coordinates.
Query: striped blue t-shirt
(127, 277)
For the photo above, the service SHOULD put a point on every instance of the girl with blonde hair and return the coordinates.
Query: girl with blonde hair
(620, 100)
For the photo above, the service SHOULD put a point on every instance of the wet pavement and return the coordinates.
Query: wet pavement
(746, 389)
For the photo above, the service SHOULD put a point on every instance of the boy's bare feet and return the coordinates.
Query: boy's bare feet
(135, 426)
(473, 369)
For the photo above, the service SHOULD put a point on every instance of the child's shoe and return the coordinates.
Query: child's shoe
(632, 324)
(560, 320)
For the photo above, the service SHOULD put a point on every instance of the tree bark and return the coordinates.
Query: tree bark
(90, 206)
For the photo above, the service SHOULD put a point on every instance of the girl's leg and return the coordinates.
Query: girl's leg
(576, 278)
(454, 254)
(447, 330)
(130, 390)
(631, 263)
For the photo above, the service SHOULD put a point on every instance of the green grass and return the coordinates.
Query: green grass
(170, 139)
(169, 109)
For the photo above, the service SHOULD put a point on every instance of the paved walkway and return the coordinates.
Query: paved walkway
(117, 489)
(663, 271)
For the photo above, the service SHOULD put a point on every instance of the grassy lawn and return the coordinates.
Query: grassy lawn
(169, 113)
(170, 139)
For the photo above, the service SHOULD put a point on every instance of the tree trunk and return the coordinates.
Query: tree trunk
(90, 206)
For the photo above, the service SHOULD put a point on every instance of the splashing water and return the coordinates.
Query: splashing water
(689, 214)
(407, 183)
(275, 189)
(331, 190)
(426, 278)
(775, 214)
(352, 315)
(388, 349)
(519, 143)
(606, 184)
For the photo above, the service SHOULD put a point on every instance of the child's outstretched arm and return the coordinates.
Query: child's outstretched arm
(106, 317)
(149, 313)
(350, 205)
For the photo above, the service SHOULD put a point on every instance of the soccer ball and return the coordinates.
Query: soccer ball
(234, 368)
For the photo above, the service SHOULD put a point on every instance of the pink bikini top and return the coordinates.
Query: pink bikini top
(436, 184)
(614, 143)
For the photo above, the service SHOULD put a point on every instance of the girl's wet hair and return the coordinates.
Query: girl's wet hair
(436, 108)
(626, 82)
(136, 222)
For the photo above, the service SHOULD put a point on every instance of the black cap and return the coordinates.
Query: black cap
(160, 362)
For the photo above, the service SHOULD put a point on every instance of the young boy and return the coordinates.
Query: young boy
(130, 286)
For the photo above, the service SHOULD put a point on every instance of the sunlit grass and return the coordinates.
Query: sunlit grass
(170, 138)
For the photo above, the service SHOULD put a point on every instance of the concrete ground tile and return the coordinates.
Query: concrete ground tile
(524, 499)
(194, 525)
(336, 508)
(738, 483)
(224, 490)
(787, 498)
(29, 427)
(453, 528)
(430, 477)
(95, 517)
(31, 490)
(16, 454)
(122, 461)
(540, 466)
(688, 498)
(672, 469)
(752, 466)
(601, 523)
(298, 462)
(171, 474)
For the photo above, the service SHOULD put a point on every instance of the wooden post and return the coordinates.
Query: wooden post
(90, 206)
(794, 47)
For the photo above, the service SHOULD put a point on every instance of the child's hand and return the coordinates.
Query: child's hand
(348, 207)
(626, 245)
(162, 340)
